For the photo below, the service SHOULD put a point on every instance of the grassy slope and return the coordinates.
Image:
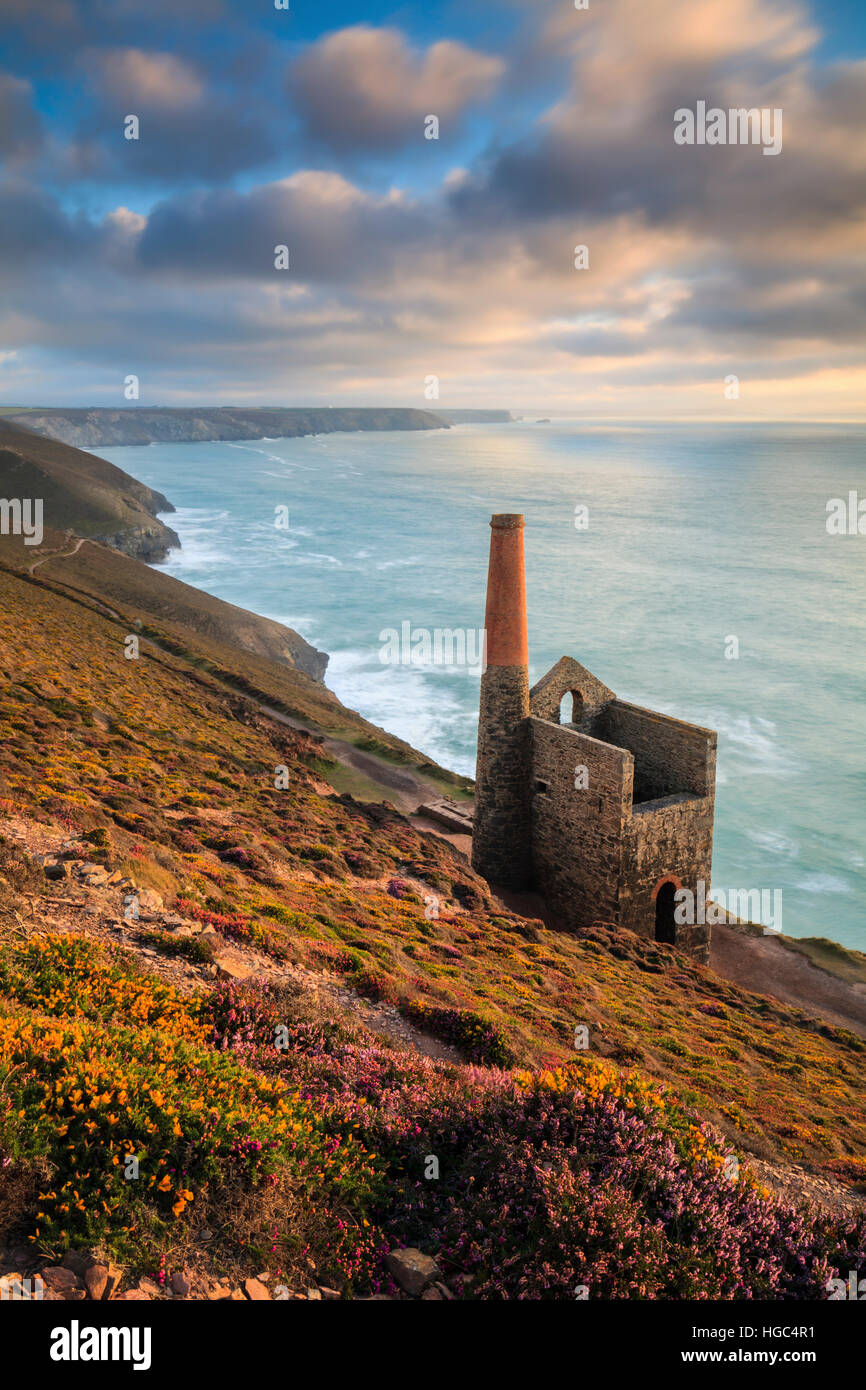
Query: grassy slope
(146, 748)
(221, 645)
(80, 492)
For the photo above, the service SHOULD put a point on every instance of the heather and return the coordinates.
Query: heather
(548, 1182)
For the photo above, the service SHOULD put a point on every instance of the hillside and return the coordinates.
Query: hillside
(99, 524)
(83, 493)
(92, 428)
(317, 996)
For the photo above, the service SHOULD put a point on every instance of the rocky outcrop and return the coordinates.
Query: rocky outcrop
(148, 543)
(84, 495)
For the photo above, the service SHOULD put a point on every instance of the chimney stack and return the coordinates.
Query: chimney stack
(500, 838)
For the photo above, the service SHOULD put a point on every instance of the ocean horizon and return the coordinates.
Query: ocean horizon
(688, 566)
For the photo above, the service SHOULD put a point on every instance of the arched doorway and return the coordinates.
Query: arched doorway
(571, 707)
(666, 926)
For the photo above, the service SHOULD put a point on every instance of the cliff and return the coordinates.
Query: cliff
(95, 428)
(113, 517)
(84, 494)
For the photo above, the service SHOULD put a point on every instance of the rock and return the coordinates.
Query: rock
(62, 1281)
(231, 966)
(412, 1270)
(180, 1283)
(96, 1280)
(13, 1287)
(444, 1289)
(133, 1296)
(256, 1291)
(432, 1295)
(329, 1293)
(150, 1287)
(314, 1293)
(114, 1277)
(149, 900)
(79, 1261)
(237, 1296)
(57, 870)
(218, 1295)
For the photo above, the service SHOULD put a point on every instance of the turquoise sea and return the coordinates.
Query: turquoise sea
(696, 535)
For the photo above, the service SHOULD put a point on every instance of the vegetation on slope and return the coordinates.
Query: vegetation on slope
(83, 493)
(260, 1117)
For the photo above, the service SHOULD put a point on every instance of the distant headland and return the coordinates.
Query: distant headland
(100, 427)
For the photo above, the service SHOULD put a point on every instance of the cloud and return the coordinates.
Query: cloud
(189, 128)
(21, 133)
(334, 231)
(133, 80)
(365, 89)
(702, 261)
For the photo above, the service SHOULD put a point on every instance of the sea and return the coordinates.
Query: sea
(714, 572)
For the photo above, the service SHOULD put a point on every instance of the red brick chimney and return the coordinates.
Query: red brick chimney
(505, 619)
(501, 850)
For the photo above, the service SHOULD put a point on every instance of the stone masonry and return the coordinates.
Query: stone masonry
(603, 807)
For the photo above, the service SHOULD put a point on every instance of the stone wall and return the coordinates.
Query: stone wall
(670, 839)
(501, 849)
(577, 834)
(568, 675)
(599, 851)
(670, 756)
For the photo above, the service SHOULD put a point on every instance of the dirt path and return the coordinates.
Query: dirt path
(405, 788)
(409, 789)
(765, 966)
(57, 555)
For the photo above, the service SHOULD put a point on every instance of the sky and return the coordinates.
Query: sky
(718, 281)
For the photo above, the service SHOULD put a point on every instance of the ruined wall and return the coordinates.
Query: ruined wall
(501, 849)
(577, 834)
(568, 675)
(670, 756)
(671, 839)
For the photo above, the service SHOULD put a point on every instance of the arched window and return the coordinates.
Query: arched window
(571, 707)
(666, 926)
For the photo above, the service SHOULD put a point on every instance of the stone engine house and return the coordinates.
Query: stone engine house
(603, 807)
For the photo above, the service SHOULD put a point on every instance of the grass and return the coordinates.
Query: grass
(172, 778)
